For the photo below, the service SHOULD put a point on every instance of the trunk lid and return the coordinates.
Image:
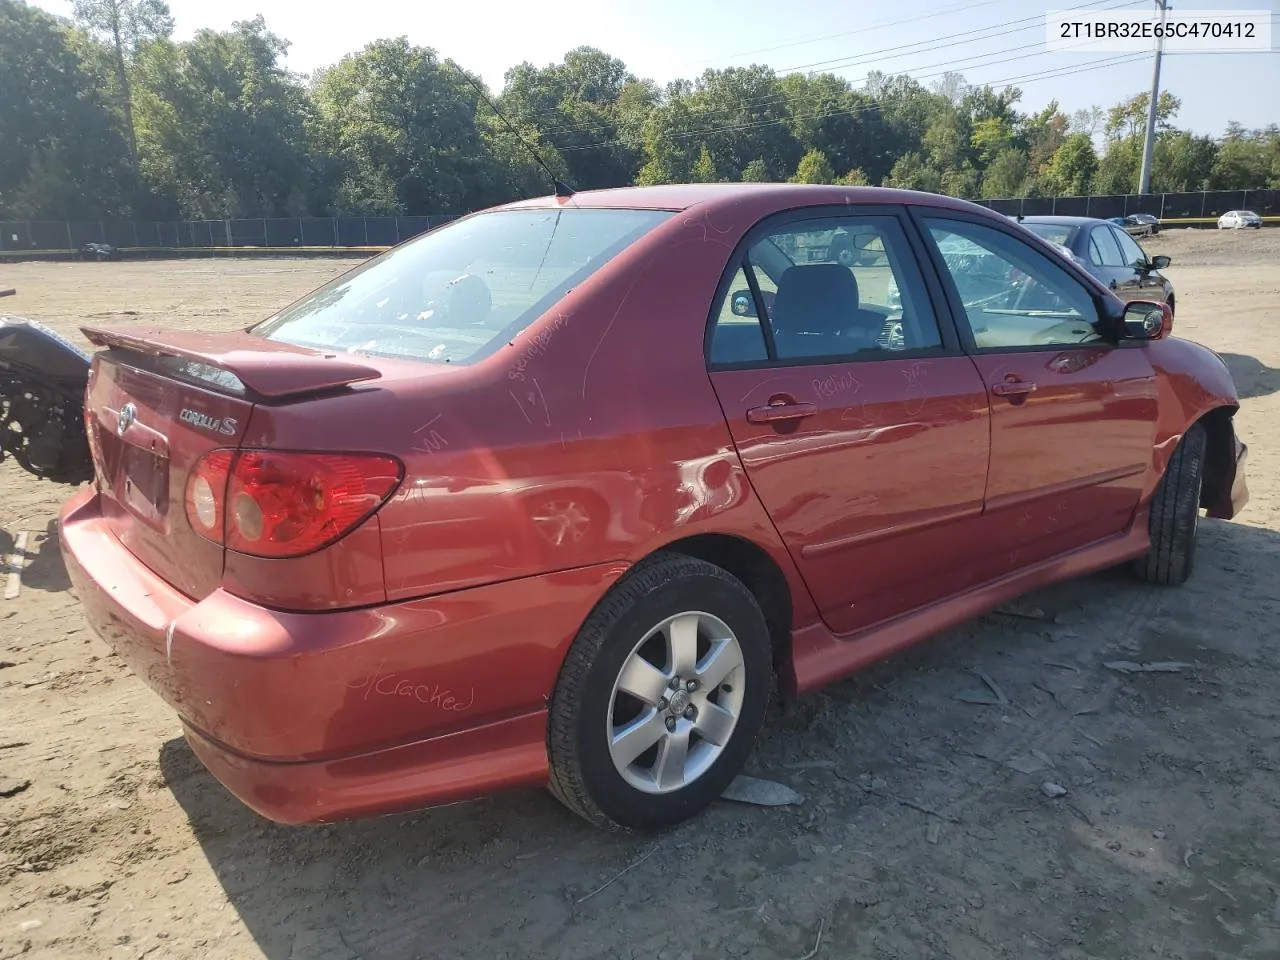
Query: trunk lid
(157, 401)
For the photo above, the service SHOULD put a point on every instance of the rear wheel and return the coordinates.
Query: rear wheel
(661, 696)
(1175, 514)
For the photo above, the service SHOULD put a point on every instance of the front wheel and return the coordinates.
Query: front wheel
(1175, 514)
(661, 696)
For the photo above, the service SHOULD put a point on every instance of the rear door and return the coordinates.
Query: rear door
(862, 426)
(1073, 417)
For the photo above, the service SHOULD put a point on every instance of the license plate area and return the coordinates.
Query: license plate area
(142, 485)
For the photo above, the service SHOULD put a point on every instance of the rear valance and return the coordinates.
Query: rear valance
(268, 369)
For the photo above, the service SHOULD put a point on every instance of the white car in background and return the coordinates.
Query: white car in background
(1238, 219)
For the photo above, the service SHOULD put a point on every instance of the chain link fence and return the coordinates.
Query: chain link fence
(301, 233)
(262, 233)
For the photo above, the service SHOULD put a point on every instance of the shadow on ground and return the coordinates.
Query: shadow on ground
(1252, 377)
(924, 831)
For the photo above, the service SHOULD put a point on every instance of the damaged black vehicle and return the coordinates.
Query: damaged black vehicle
(42, 384)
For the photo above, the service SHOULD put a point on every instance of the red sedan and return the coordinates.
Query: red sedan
(549, 496)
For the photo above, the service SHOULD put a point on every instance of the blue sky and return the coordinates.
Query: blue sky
(665, 39)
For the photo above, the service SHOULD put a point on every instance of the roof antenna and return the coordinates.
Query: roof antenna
(562, 189)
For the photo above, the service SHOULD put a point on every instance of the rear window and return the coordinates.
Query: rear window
(1053, 232)
(460, 292)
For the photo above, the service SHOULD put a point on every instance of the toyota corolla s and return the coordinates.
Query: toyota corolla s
(555, 494)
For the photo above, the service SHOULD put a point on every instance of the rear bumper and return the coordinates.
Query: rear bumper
(309, 717)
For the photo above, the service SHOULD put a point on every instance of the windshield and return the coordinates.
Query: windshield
(458, 293)
(1053, 232)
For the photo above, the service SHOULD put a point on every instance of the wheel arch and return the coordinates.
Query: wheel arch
(761, 574)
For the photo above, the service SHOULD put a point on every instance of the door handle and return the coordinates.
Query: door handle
(1013, 388)
(775, 412)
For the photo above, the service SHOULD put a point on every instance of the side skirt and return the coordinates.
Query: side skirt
(820, 657)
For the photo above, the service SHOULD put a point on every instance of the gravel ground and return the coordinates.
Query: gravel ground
(924, 832)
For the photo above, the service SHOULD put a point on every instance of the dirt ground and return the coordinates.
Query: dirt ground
(924, 832)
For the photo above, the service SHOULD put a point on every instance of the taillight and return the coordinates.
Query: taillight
(269, 503)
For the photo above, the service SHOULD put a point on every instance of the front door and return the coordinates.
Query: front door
(1073, 417)
(1146, 283)
(863, 430)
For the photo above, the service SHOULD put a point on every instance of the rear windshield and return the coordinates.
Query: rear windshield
(460, 292)
(1053, 232)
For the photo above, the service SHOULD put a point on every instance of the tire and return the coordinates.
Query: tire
(1175, 514)
(590, 710)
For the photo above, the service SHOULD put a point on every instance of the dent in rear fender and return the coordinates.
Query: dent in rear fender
(1192, 381)
(593, 436)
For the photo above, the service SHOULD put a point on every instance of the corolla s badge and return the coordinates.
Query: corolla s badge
(227, 426)
(128, 414)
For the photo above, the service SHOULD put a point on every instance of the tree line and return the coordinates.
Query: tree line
(106, 115)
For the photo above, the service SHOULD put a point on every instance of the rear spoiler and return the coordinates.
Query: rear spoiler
(271, 370)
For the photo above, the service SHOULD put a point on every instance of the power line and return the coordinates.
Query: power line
(872, 57)
(963, 7)
(778, 98)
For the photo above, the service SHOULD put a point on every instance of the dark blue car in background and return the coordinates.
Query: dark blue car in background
(1109, 253)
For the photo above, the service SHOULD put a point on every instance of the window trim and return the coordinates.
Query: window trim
(740, 260)
(1092, 287)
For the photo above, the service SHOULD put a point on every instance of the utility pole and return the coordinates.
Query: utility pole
(1149, 143)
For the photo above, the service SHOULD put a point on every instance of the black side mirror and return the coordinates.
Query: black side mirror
(1146, 320)
(1159, 263)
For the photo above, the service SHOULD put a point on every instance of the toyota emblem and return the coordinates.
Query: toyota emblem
(127, 416)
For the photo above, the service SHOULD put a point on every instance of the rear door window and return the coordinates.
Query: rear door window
(1103, 250)
(458, 293)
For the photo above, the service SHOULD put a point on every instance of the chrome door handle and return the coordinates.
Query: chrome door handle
(774, 412)
(1013, 388)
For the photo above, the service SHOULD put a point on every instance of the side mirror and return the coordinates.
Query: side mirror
(742, 304)
(1146, 320)
(1159, 263)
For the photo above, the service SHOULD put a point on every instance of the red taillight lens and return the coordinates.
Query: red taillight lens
(281, 504)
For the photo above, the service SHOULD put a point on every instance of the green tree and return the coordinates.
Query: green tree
(1246, 160)
(1118, 168)
(1182, 162)
(854, 178)
(814, 168)
(587, 107)
(990, 138)
(704, 171)
(1129, 118)
(1073, 166)
(911, 173)
(124, 25)
(755, 172)
(62, 155)
(1006, 176)
(221, 124)
(403, 124)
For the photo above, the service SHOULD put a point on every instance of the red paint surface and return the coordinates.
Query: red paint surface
(410, 663)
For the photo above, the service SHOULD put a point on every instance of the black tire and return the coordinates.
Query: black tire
(1175, 514)
(583, 775)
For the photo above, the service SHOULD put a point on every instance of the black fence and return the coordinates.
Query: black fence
(287, 232)
(1196, 209)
